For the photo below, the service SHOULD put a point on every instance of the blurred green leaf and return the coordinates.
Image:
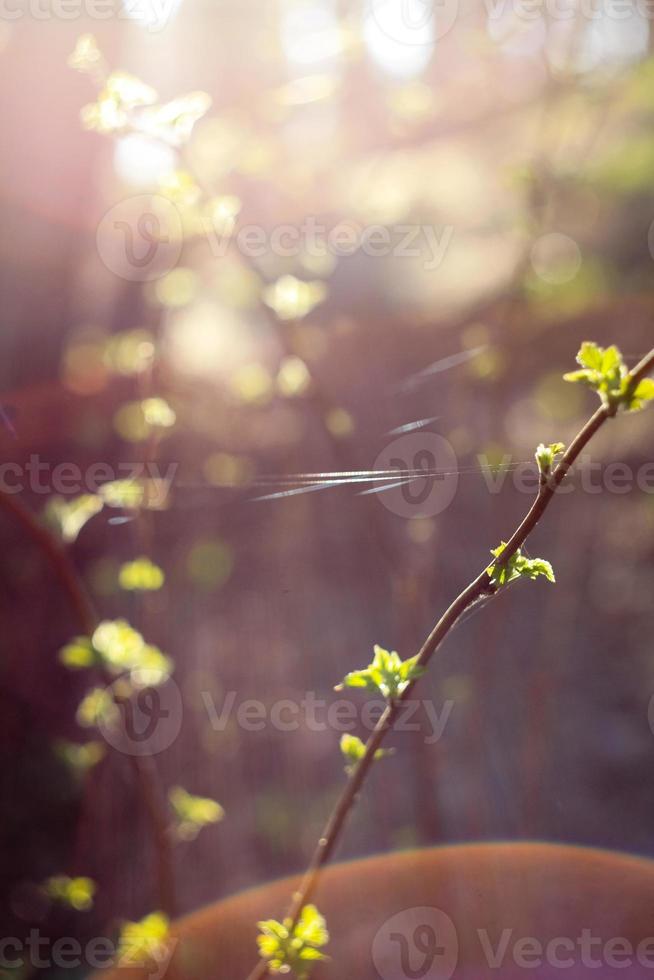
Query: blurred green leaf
(78, 654)
(354, 749)
(79, 758)
(123, 649)
(141, 575)
(192, 813)
(76, 893)
(628, 167)
(142, 942)
(97, 706)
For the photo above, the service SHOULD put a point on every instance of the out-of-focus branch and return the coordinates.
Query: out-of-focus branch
(82, 608)
(61, 564)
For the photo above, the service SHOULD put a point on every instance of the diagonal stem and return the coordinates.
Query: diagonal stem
(479, 588)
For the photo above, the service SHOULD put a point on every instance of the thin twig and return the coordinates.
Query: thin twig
(82, 607)
(479, 588)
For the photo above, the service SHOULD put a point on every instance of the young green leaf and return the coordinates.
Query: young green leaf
(294, 949)
(354, 749)
(518, 567)
(643, 393)
(546, 456)
(603, 369)
(387, 675)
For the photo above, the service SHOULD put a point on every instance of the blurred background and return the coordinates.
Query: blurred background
(489, 168)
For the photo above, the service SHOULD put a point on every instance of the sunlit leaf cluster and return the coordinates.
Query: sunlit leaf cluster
(518, 566)
(294, 948)
(387, 675)
(603, 369)
(145, 941)
(120, 649)
(126, 103)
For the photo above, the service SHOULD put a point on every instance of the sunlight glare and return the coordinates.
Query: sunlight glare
(612, 43)
(207, 340)
(517, 37)
(400, 35)
(310, 33)
(608, 44)
(142, 161)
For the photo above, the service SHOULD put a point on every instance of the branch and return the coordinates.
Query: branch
(479, 588)
(85, 614)
(63, 568)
